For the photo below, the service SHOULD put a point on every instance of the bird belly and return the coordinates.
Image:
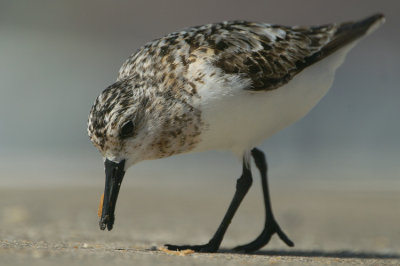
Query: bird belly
(236, 119)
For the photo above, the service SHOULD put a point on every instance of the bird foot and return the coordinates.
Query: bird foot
(263, 239)
(206, 248)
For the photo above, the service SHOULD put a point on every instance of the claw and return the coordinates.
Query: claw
(264, 238)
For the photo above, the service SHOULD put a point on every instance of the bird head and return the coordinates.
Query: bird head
(127, 127)
(118, 126)
(117, 123)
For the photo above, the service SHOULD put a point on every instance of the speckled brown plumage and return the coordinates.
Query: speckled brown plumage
(267, 54)
(159, 83)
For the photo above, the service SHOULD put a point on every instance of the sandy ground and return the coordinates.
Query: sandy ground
(57, 226)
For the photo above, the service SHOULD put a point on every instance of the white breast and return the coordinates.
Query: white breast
(237, 119)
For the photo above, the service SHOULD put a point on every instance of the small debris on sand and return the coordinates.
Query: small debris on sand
(178, 252)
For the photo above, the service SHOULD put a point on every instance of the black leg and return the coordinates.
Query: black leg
(271, 226)
(242, 186)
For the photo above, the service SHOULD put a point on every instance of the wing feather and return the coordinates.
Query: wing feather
(267, 55)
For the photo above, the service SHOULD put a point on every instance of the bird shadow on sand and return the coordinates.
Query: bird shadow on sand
(343, 254)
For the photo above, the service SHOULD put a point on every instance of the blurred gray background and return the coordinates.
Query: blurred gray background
(57, 56)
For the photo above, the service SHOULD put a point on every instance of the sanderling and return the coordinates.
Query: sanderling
(227, 85)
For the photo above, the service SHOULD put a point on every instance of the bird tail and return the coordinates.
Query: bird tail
(345, 34)
(350, 31)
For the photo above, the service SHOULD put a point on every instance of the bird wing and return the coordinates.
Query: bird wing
(271, 55)
(267, 55)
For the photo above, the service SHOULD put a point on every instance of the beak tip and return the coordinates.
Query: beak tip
(102, 225)
(106, 222)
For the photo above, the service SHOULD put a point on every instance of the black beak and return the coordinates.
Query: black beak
(114, 175)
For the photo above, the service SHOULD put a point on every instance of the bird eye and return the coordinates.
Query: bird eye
(127, 130)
